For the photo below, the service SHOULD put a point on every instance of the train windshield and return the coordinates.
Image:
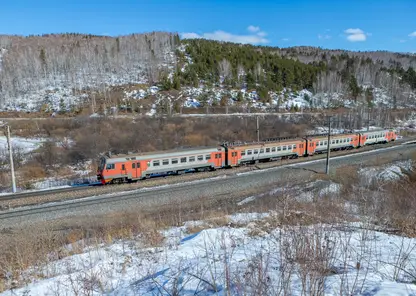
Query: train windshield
(101, 164)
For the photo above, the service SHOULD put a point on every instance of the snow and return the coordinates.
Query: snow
(25, 144)
(389, 172)
(409, 124)
(214, 260)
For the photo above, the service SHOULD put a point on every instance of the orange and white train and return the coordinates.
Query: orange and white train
(134, 167)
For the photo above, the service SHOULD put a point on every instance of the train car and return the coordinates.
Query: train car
(377, 137)
(133, 167)
(245, 153)
(319, 144)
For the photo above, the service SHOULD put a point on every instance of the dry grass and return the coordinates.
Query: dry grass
(32, 171)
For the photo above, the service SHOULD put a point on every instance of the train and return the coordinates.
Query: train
(125, 168)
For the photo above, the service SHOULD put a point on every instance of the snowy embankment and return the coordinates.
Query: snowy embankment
(347, 259)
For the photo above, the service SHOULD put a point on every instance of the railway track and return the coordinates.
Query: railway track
(124, 187)
(41, 192)
(181, 192)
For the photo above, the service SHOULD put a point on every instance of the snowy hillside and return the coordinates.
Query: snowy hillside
(64, 70)
(91, 72)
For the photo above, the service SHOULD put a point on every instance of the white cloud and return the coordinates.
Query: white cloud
(285, 39)
(402, 41)
(354, 31)
(253, 29)
(412, 34)
(257, 36)
(355, 35)
(190, 36)
(324, 37)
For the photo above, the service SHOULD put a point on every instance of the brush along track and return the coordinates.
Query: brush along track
(40, 197)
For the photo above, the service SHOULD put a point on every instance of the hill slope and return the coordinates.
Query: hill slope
(147, 72)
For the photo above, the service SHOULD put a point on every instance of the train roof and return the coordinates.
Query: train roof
(164, 153)
(347, 134)
(265, 142)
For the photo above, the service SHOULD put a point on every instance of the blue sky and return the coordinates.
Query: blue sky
(353, 24)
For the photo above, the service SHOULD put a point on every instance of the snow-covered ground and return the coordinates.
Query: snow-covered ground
(25, 144)
(388, 172)
(345, 259)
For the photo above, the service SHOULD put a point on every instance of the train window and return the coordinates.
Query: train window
(326, 143)
(284, 148)
(138, 165)
(174, 160)
(165, 162)
(110, 166)
(191, 158)
(279, 148)
(123, 167)
(249, 152)
(219, 155)
(183, 159)
(261, 150)
(133, 165)
(243, 153)
(267, 150)
(200, 157)
(207, 157)
(294, 146)
(156, 162)
(273, 149)
(256, 151)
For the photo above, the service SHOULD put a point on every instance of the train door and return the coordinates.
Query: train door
(123, 169)
(301, 149)
(310, 147)
(218, 159)
(136, 173)
(362, 140)
(232, 158)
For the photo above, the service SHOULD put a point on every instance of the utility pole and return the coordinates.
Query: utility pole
(9, 142)
(328, 149)
(257, 129)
